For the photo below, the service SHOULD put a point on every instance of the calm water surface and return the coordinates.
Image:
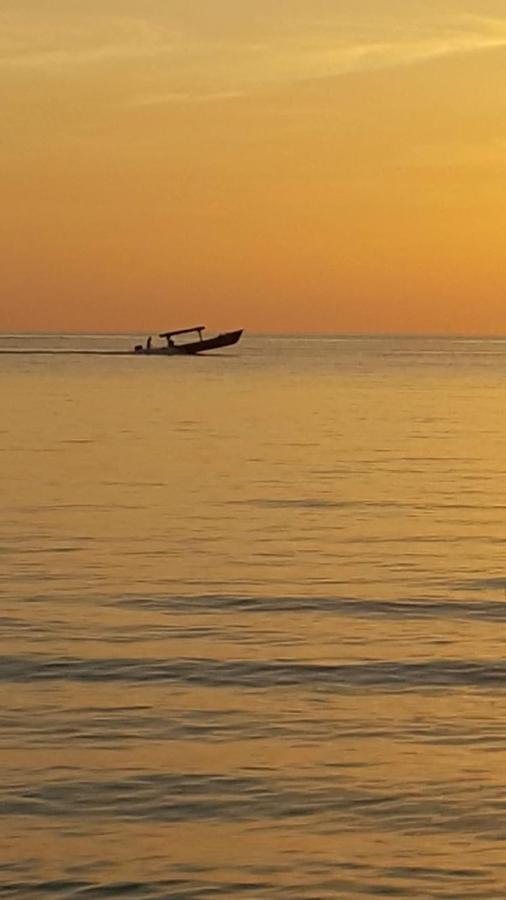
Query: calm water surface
(253, 620)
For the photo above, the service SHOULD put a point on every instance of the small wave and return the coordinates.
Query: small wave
(483, 584)
(365, 503)
(328, 801)
(493, 610)
(397, 676)
(72, 888)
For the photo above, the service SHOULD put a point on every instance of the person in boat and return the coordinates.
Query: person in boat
(148, 344)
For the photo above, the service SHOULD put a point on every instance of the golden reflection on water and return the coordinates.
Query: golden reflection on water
(252, 614)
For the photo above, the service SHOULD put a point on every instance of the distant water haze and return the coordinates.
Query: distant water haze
(251, 622)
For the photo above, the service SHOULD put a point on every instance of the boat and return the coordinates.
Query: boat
(188, 348)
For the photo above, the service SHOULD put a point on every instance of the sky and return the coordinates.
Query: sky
(278, 165)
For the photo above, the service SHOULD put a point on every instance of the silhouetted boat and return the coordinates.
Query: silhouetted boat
(190, 347)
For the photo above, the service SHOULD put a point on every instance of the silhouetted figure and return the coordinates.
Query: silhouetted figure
(148, 344)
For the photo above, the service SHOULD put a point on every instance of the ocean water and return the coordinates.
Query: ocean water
(253, 619)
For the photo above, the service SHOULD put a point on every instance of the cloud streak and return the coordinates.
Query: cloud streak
(28, 44)
(290, 60)
(196, 68)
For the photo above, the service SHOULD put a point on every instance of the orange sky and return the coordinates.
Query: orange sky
(311, 165)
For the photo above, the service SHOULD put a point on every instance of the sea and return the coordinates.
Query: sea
(253, 619)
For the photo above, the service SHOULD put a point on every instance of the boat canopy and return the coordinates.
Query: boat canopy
(169, 334)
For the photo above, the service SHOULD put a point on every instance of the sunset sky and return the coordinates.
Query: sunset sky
(277, 165)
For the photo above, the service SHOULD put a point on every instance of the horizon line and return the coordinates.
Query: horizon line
(313, 333)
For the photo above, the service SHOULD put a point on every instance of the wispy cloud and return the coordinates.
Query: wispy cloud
(473, 36)
(60, 58)
(234, 70)
(193, 67)
(29, 44)
(332, 52)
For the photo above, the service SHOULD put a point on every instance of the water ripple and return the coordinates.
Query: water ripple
(488, 610)
(378, 676)
(328, 800)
